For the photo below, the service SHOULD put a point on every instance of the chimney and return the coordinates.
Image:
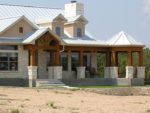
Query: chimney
(73, 9)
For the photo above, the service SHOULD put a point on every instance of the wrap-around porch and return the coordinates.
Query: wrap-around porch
(77, 62)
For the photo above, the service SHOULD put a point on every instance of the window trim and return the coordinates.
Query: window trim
(21, 30)
(59, 30)
(79, 32)
(10, 51)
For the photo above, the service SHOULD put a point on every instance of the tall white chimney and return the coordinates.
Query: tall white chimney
(74, 9)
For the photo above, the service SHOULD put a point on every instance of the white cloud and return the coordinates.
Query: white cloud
(147, 6)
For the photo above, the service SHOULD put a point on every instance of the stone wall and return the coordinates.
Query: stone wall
(22, 66)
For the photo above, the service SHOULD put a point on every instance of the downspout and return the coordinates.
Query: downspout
(63, 49)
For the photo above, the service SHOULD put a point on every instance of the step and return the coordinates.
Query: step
(49, 82)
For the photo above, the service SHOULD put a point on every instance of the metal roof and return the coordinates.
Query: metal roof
(32, 13)
(123, 39)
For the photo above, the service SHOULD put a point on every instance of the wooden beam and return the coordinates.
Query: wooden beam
(32, 57)
(129, 58)
(57, 57)
(51, 58)
(113, 58)
(81, 58)
(140, 58)
(108, 59)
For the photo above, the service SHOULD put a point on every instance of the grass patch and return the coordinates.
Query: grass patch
(52, 105)
(148, 111)
(15, 111)
(103, 86)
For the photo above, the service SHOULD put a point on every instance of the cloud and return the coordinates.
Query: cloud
(146, 6)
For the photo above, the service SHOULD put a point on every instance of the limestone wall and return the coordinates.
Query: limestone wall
(22, 66)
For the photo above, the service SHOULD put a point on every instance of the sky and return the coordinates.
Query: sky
(107, 17)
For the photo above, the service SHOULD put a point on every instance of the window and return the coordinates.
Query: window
(64, 62)
(58, 31)
(20, 29)
(8, 61)
(74, 61)
(79, 32)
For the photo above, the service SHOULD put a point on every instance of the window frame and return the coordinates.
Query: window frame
(8, 52)
(21, 30)
(58, 30)
(79, 32)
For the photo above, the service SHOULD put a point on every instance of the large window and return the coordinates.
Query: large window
(8, 61)
(58, 31)
(8, 58)
(79, 32)
(64, 61)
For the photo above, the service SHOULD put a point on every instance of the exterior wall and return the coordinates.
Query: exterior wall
(42, 65)
(22, 66)
(71, 28)
(14, 30)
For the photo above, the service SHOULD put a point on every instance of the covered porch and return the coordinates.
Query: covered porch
(51, 60)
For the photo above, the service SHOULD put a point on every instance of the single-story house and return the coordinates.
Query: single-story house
(40, 44)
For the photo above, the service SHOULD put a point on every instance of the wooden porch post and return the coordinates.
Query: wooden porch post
(57, 57)
(140, 58)
(81, 58)
(129, 58)
(32, 57)
(108, 59)
(51, 58)
(113, 58)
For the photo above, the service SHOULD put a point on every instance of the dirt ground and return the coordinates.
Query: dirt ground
(68, 101)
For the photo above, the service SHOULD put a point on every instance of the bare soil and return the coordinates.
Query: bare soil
(69, 101)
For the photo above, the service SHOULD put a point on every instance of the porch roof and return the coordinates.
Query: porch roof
(123, 39)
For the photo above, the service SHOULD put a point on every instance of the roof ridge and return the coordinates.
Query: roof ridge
(10, 17)
(30, 6)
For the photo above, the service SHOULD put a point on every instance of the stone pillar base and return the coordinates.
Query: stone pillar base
(129, 71)
(57, 72)
(32, 74)
(113, 72)
(107, 72)
(141, 72)
(80, 72)
(51, 72)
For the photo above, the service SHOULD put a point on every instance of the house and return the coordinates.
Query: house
(38, 43)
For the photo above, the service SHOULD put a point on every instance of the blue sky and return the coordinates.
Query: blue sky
(107, 17)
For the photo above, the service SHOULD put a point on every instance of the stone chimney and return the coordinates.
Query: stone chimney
(73, 9)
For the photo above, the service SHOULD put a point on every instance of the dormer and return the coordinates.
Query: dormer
(56, 24)
(75, 25)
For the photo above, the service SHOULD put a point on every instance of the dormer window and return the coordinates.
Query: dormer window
(58, 31)
(20, 29)
(79, 32)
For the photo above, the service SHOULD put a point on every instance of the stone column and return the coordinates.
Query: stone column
(57, 71)
(129, 71)
(141, 72)
(113, 72)
(32, 73)
(129, 68)
(80, 72)
(107, 72)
